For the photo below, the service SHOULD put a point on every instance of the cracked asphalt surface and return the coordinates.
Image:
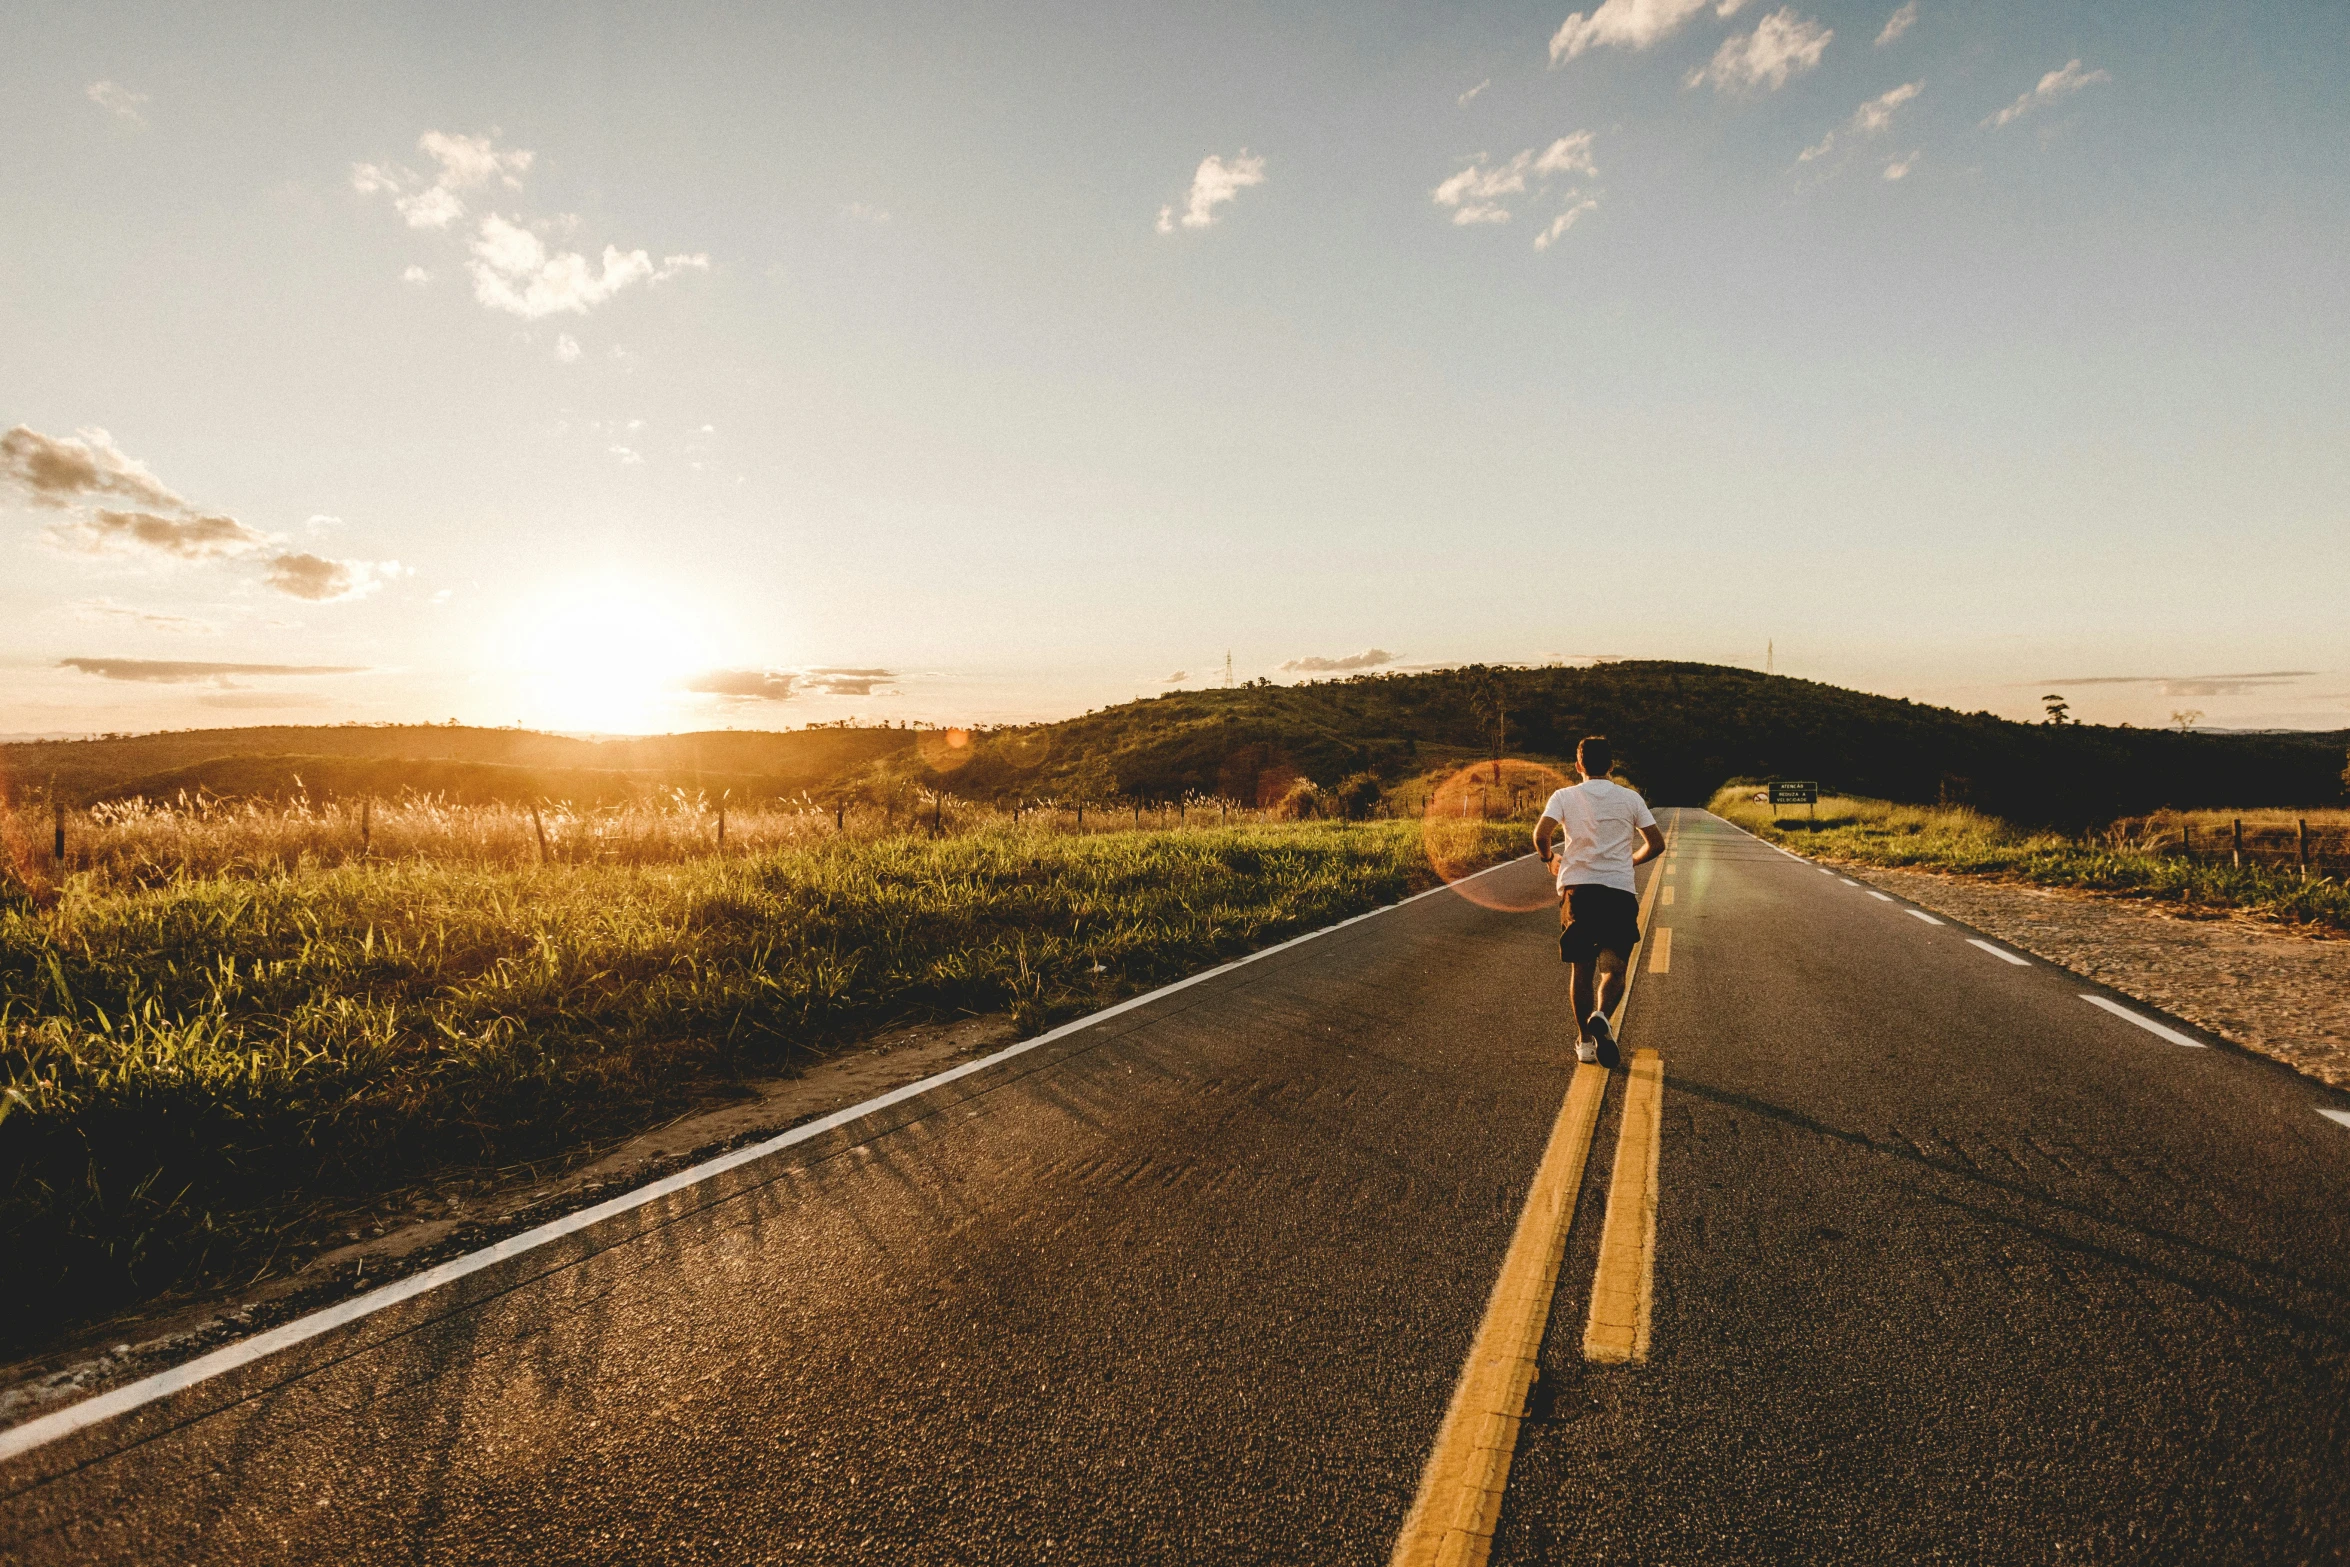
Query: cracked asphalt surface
(1950, 1264)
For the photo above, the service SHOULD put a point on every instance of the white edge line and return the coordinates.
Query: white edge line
(2146, 1023)
(2343, 1116)
(1921, 914)
(19, 1440)
(1757, 837)
(1999, 952)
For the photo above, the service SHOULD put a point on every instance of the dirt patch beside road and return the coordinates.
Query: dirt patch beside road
(2267, 988)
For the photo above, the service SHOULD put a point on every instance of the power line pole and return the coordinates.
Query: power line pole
(1228, 669)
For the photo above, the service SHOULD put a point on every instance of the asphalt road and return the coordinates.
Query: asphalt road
(1949, 1264)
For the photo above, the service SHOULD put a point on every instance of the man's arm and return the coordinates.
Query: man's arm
(1652, 845)
(1546, 833)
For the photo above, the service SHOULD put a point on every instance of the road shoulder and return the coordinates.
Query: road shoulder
(2274, 991)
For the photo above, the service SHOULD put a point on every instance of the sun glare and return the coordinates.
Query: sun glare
(605, 655)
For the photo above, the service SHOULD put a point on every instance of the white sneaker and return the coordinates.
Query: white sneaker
(1586, 1052)
(1602, 1042)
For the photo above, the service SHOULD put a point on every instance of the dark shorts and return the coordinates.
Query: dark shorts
(1593, 920)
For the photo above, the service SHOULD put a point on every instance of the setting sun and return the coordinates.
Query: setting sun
(603, 654)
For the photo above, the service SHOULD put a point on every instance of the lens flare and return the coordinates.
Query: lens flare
(943, 750)
(1452, 828)
(1024, 750)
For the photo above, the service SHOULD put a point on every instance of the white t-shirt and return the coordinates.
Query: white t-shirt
(1603, 821)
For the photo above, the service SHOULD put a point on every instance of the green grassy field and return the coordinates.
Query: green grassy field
(2133, 861)
(197, 1075)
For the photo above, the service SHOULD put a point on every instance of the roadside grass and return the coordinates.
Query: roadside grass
(2130, 860)
(198, 1075)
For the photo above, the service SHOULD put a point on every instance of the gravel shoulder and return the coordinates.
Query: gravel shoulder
(2269, 989)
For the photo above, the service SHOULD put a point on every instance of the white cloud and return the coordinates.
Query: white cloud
(370, 179)
(1476, 193)
(2062, 82)
(513, 271)
(1868, 120)
(1370, 658)
(470, 161)
(1629, 24)
(1899, 168)
(1874, 115)
(1212, 184)
(567, 349)
(1464, 98)
(1898, 23)
(322, 523)
(301, 575)
(1782, 45)
(628, 458)
(434, 207)
(466, 163)
(1564, 221)
(117, 100)
(865, 212)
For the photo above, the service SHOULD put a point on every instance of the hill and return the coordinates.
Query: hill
(1680, 730)
(474, 765)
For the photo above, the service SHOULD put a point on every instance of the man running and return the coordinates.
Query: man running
(1608, 830)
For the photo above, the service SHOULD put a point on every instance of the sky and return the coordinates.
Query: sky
(646, 368)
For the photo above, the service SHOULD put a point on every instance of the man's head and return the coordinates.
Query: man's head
(1593, 757)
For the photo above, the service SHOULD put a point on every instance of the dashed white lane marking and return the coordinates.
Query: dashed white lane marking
(1848, 881)
(1824, 871)
(18, 1440)
(1874, 893)
(1921, 914)
(2000, 953)
(2146, 1023)
(2342, 1116)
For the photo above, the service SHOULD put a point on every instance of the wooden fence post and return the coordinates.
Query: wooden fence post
(2301, 824)
(540, 828)
(366, 827)
(722, 827)
(2239, 849)
(2187, 839)
(840, 815)
(58, 846)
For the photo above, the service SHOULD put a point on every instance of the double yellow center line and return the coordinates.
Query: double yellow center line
(1459, 1501)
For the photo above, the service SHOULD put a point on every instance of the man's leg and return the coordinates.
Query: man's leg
(1611, 984)
(1597, 1027)
(1583, 996)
